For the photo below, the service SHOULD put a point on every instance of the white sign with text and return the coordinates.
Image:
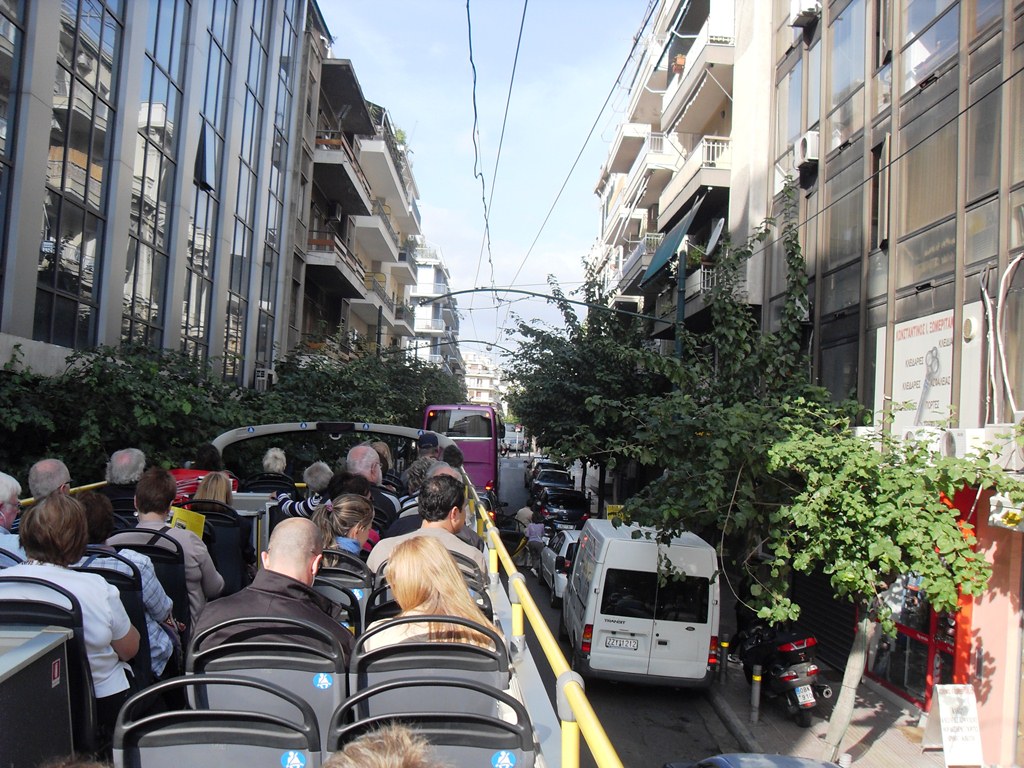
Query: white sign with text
(953, 725)
(922, 371)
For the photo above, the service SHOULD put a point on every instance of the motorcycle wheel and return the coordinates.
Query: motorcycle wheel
(803, 718)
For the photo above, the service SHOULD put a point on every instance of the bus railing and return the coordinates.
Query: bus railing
(575, 713)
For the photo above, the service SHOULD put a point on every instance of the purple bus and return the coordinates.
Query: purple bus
(477, 430)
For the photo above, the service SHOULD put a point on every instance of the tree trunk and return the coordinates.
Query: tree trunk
(583, 475)
(847, 699)
(601, 472)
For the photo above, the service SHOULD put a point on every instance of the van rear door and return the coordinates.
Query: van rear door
(624, 619)
(685, 618)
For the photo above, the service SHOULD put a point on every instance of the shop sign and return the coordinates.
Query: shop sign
(953, 725)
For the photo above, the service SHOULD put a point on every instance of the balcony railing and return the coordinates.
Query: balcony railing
(714, 151)
(700, 281)
(719, 29)
(337, 142)
(430, 324)
(327, 241)
(381, 210)
(649, 244)
(409, 258)
(377, 283)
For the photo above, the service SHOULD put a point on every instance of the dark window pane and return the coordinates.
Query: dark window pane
(629, 593)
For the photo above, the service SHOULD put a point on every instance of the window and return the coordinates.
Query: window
(936, 45)
(981, 13)
(983, 118)
(10, 64)
(844, 196)
(927, 177)
(880, 194)
(982, 235)
(927, 255)
(636, 594)
(790, 92)
(846, 65)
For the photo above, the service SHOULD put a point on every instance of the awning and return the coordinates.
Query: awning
(670, 244)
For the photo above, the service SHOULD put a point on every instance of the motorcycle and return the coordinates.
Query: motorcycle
(787, 668)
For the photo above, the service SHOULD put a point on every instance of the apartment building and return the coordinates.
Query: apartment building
(897, 119)
(483, 380)
(211, 180)
(436, 313)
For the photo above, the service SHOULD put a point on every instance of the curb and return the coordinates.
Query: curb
(733, 723)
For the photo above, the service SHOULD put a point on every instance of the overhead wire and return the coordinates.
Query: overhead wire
(652, 5)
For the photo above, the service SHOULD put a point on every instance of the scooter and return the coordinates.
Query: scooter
(787, 668)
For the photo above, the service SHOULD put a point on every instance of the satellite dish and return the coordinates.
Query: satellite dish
(716, 232)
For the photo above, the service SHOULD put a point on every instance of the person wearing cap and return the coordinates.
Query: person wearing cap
(427, 447)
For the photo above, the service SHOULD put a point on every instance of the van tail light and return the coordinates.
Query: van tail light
(798, 645)
(489, 486)
(567, 566)
(713, 651)
(588, 635)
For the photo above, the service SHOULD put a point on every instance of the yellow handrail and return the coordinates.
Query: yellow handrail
(587, 721)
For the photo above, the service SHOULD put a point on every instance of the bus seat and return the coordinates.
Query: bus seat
(267, 482)
(351, 600)
(129, 587)
(8, 559)
(428, 661)
(212, 738)
(458, 738)
(168, 560)
(56, 606)
(226, 544)
(269, 649)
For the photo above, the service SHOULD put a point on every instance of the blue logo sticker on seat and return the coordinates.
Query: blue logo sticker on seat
(503, 759)
(323, 681)
(293, 760)
(366, 427)
(358, 593)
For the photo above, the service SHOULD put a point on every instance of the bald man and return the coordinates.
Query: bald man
(283, 587)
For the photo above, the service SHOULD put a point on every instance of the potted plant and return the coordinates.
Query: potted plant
(678, 63)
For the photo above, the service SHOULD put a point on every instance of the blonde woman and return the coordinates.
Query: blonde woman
(344, 524)
(426, 581)
(216, 486)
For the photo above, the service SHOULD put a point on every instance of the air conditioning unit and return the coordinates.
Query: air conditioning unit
(871, 434)
(264, 379)
(803, 13)
(337, 214)
(806, 150)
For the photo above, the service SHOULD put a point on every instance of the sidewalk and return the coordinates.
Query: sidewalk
(883, 731)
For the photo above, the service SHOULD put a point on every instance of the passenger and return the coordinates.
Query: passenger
(392, 480)
(453, 457)
(153, 497)
(160, 626)
(274, 461)
(317, 476)
(392, 746)
(428, 446)
(344, 524)
(363, 460)
(283, 587)
(410, 519)
(10, 508)
(416, 475)
(123, 471)
(426, 581)
(535, 538)
(54, 534)
(48, 476)
(441, 509)
(216, 486)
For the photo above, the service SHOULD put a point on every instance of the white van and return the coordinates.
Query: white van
(624, 625)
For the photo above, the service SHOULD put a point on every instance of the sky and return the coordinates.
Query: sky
(412, 57)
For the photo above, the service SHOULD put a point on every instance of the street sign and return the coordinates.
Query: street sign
(953, 725)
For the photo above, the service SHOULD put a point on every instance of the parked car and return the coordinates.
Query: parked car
(534, 466)
(556, 560)
(563, 508)
(550, 478)
(750, 760)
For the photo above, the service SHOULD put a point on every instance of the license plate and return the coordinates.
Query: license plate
(804, 695)
(565, 526)
(621, 642)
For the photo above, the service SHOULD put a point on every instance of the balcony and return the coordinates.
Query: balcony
(638, 261)
(708, 165)
(704, 82)
(430, 325)
(657, 160)
(387, 168)
(375, 300)
(338, 173)
(333, 266)
(376, 235)
(403, 271)
(629, 139)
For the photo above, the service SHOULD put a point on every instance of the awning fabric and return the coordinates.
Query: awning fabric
(670, 244)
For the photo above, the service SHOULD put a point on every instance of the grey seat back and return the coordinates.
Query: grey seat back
(168, 560)
(260, 651)
(466, 738)
(8, 559)
(216, 737)
(428, 661)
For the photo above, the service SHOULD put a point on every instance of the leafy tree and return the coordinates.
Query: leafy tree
(558, 370)
(753, 454)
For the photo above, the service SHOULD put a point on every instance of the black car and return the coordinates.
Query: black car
(535, 466)
(564, 508)
(550, 478)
